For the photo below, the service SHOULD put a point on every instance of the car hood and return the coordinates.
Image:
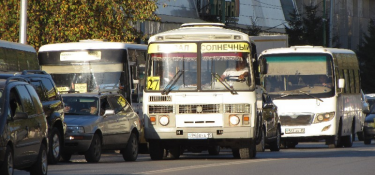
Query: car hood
(370, 118)
(81, 120)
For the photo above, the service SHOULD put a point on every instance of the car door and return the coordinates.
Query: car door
(110, 125)
(27, 141)
(125, 115)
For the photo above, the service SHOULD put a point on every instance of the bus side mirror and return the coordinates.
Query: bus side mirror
(262, 66)
(135, 72)
(341, 83)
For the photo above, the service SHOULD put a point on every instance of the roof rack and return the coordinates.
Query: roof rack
(16, 79)
(203, 25)
(25, 72)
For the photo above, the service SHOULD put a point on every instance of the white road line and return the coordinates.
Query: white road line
(206, 166)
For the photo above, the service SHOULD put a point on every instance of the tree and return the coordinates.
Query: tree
(55, 21)
(366, 55)
(306, 29)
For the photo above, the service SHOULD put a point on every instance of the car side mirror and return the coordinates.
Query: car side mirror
(365, 108)
(109, 112)
(20, 115)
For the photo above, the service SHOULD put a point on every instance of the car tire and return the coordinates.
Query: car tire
(275, 145)
(6, 166)
(55, 144)
(261, 146)
(360, 136)
(65, 157)
(214, 150)
(40, 167)
(130, 153)
(157, 152)
(95, 150)
(367, 141)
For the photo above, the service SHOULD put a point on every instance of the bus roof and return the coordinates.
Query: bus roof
(200, 32)
(17, 46)
(90, 44)
(306, 49)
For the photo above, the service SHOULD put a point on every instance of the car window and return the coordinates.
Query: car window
(36, 101)
(14, 102)
(51, 91)
(119, 104)
(40, 90)
(26, 100)
(104, 105)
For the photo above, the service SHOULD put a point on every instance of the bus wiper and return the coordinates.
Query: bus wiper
(310, 95)
(224, 83)
(172, 82)
(293, 93)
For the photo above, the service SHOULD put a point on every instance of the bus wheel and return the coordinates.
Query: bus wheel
(236, 153)
(348, 140)
(214, 150)
(156, 150)
(248, 150)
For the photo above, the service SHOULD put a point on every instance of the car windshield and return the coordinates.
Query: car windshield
(80, 105)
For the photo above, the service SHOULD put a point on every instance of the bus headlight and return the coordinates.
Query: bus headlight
(324, 117)
(164, 120)
(234, 119)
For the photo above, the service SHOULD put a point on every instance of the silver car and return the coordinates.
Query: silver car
(100, 121)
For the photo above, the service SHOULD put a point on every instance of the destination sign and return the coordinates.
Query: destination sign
(225, 47)
(172, 48)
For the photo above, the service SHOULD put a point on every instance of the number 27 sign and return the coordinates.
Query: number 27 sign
(153, 83)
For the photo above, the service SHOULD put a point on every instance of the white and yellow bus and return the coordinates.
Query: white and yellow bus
(188, 103)
(318, 93)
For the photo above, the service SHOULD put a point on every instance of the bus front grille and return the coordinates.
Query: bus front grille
(199, 109)
(289, 120)
(160, 109)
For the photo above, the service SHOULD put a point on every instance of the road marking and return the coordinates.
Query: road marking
(206, 166)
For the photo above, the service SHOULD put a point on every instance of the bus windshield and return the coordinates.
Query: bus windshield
(218, 71)
(299, 74)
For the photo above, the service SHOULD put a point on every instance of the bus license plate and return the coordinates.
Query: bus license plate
(199, 135)
(294, 130)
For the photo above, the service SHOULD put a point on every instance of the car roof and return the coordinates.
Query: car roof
(370, 96)
(25, 73)
(91, 94)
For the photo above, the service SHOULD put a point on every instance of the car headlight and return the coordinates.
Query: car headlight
(164, 120)
(75, 129)
(324, 117)
(234, 119)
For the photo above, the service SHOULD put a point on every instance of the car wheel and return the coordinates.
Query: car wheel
(360, 136)
(261, 146)
(367, 141)
(65, 157)
(40, 166)
(6, 166)
(55, 144)
(95, 151)
(214, 150)
(130, 153)
(275, 145)
(156, 150)
(174, 153)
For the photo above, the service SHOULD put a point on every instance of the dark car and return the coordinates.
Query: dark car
(100, 121)
(369, 124)
(23, 128)
(52, 106)
(270, 135)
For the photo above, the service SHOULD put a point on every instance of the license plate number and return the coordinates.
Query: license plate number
(294, 130)
(199, 135)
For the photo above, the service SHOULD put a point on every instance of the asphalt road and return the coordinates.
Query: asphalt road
(306, 159)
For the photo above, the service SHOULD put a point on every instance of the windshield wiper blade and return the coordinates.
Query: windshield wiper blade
(224, 83)
(300, 92)
(172, 82)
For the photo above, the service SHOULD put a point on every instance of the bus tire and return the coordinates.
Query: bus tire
(261, 146)
(348, 140)
(236, 153)
(156, 150)
(247, 151)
